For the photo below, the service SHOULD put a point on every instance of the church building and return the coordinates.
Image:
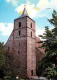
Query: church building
(24, 47)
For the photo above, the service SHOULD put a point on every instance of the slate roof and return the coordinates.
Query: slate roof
(24, 13)
(39, 45)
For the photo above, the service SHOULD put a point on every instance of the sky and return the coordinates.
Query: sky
(38, 10)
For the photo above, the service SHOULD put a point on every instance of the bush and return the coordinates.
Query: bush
(13, 78)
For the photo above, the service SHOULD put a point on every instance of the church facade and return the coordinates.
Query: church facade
(23, 45)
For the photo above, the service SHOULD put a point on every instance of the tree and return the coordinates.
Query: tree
(6, 62)
(48, 64)
(2, 61)
(9, 63)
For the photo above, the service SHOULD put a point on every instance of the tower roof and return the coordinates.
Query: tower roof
(24, 13)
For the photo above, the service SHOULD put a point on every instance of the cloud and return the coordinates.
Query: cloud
(39, 32)
(43, 8)
(34, 11)
(42, 3)
(14, 2)
(31, 9)
(53, 4)
(6, 29)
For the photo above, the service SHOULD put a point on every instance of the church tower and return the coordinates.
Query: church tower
(23, 42)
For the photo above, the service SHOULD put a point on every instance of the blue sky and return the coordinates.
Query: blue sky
(38, 10)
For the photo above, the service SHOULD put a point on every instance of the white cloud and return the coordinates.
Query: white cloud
(14, 2)
(46, 8)
(53, 4)
(34, 11)
(6, 28)
(30, 9)
(39, 32)
(42, 3)
(43, 8)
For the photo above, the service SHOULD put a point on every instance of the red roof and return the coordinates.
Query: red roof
(39, 44)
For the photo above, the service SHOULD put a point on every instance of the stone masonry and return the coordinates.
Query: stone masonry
(22, 44)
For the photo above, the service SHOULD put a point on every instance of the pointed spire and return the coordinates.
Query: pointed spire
(24, 12)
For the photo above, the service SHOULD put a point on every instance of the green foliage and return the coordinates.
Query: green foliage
(2, 56)
(6, 63)
(53, 21)
(50, 73)
(13, 78)
(2, 61)
(50, 45)
(9, 64)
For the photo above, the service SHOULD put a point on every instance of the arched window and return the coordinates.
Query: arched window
(18, 52)
(31, 34)
(31, 25)
(19, 24)
(31, 72)
(19, 44)
(19, 32)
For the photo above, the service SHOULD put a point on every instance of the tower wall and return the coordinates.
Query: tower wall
(27, 56)
(9, 43)
(20, 47)
(31, 57)
(23, 46)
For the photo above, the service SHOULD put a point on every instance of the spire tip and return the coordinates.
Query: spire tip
(25, 6)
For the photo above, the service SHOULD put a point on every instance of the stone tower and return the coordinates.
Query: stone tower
(22, 40)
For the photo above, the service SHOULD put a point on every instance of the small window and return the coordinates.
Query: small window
(31, 72)
(19, 33)
(31, 25)
(18, 52)
(31, 34)
(19, 44)
(19, 24)
(8, 48)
